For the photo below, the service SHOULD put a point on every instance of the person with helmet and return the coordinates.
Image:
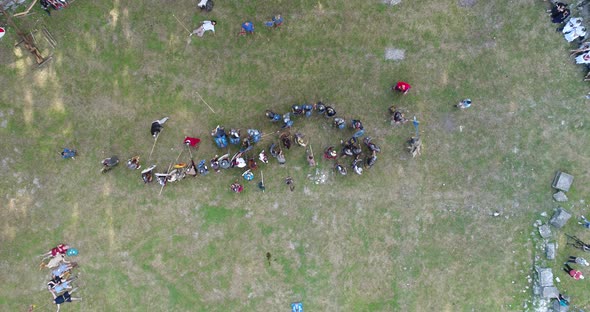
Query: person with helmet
(297, 110)
(339, 123)
(330, 153)
(320, 108)
(341, 169)
(330, 111)
(236, 187)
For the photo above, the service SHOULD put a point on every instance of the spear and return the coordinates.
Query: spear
(261, 183)
(197, 92)
(181, 24)
(153, 146)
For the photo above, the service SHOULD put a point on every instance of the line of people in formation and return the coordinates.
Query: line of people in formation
(61, 277)
(247, 27)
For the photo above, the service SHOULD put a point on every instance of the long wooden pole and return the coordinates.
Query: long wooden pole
(181, 24)
(27, 10)
(197, 92)
(166, 179)
(153, 146)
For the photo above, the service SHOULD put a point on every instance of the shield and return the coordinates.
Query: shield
(240, 162)
(111, 162)
(221, 142)
(248, 175)
(224, 164)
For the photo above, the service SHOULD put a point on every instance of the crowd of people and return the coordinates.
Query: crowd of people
(61, 274)
(358, 150)
(362, 153)
(573, 29)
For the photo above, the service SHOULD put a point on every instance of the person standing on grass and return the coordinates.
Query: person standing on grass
(205, 26)
(236, 187)
(133, 163)
(206, 5)
(578, 260)
(564, 301)
(583, 221)
(247, 28)
(290, 183)
(402, 86)
(330, 111)
(466, 103)
(68, 153)
(65, 297)
(276, 21)
(577, 275)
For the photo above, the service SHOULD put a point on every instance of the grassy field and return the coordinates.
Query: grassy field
(408, 235)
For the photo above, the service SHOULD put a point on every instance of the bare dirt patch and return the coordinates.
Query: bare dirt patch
(394, 54)
(467, 3)
(392, 2)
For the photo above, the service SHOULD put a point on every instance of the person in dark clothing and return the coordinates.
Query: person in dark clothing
(65, 297)
(46, 6)
(157, 126)
(206, 5)
(578, 260)
(330, 111)
(290, 183)
(564, 301)
(559, 13)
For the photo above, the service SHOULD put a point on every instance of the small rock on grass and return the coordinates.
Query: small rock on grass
(550, 251)
(560, 218)
(560, 196)
(392, 2)
(467, 3)
(394, 54)
(545, 231)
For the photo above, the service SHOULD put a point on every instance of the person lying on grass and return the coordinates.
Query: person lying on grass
(65, 297)
(54, 262)
(59, 286)
(59, 249)
(205, 26)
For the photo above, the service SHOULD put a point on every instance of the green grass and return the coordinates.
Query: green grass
(408, 235)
